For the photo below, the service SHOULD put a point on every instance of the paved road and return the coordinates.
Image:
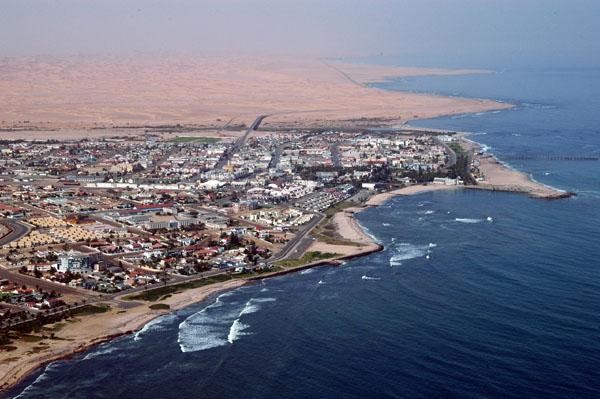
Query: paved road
(451, 153)
(31, 281)
(335, 155)
(276, 156)
(17, 230)
(300, 241)
(239, 143)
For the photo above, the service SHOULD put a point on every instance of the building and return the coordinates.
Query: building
(74, 262)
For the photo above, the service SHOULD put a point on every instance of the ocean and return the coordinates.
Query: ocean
(476, 294)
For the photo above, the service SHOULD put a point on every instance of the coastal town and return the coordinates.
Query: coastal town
(107, 226)
(88, 221)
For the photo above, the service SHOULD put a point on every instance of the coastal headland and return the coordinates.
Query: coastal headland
(77, 98)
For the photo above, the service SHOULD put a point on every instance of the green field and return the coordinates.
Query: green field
(192, 139)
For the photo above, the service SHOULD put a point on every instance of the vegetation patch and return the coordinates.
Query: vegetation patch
(155, 294)
(90, 309)
(55, 327)
(309, 257)
(39, 348)
(30, 338)
(8, 348)
(461, 167)
(159, 306)
(326, 231)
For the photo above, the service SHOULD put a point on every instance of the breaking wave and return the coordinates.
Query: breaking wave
(427, 212)
(368, 232)
(100, 351)
(40, 378)
(406, 251)
(468, 220)
(153, 325)
(236, 330)
(365, 277)
(473, 220)
(216, 325)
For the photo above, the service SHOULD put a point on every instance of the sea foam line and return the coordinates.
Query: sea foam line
(206, 329)
(406, 251)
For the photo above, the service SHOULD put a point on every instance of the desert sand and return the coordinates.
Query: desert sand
(107, 92)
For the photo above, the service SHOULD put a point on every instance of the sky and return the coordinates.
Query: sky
(457, 32)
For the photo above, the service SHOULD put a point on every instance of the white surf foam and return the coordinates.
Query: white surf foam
(236, 331)
(468, 220)
(368, 232)
(263, 300)
(100, 352)
(406, 251)
(216, 325)
(153, 325)
(40, 378)
(365, 277)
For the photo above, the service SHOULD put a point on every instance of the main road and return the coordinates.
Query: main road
(17, 230)
(300, 242)
(239, 143)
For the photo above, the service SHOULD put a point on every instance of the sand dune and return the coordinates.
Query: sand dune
(111, 91)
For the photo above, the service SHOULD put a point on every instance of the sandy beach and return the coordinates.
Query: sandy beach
(348, 228)
(379, 199)
(86, 331)
(499, 177)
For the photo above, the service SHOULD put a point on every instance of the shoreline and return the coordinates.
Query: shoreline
(500, 176)
(347, 226)
(124, 324)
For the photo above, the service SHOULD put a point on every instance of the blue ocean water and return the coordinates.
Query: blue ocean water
(477, 294)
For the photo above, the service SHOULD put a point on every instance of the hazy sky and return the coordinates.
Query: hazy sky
(470, 30)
